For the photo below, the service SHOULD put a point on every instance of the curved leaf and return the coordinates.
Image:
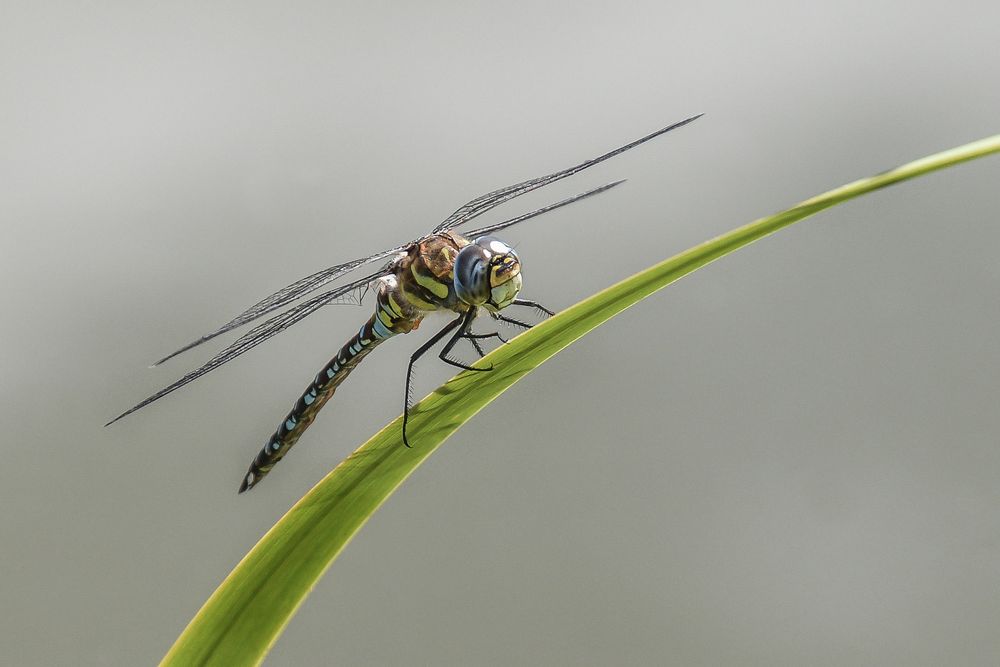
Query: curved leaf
(246, 614)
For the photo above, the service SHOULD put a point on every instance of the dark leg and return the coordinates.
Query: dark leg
(510, 320)
(531, 304)
(461, 333)
(475, 343)
(413, 359)
(475, 338)
(479, 336)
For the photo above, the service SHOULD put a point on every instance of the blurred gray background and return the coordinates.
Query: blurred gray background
(790, 457)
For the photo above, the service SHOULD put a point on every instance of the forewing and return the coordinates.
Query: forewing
(490, 200)
(283, 297)
(489, 229)
(258, 335)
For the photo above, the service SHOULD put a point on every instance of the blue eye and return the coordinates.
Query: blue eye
(472, 284)
(487, 273)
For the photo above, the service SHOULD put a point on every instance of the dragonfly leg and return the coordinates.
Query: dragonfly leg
(471, 336)
(511, 320)
(519, 323)
(532, 304)
(413, 359)
(463, 332)
(479, 348)
(475, 338)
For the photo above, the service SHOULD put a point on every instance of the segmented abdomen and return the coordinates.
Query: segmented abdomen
(386, 322)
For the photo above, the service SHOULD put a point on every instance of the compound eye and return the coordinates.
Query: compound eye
(494, 246)
(472, 274)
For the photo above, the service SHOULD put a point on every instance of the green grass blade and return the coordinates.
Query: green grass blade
(242, 619)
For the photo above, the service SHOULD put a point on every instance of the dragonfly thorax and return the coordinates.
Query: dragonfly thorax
(487, 274)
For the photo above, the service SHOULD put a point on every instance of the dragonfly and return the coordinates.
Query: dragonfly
(465, 274)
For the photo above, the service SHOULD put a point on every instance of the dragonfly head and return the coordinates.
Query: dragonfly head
(487, 274)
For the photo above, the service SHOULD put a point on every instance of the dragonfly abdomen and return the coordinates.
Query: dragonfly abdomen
(387, 321)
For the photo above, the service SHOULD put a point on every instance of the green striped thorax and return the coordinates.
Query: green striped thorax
(487, 274)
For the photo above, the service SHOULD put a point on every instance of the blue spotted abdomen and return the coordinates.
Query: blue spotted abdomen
(386, 322)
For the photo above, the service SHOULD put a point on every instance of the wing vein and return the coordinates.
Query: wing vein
(283, 297)
(256, 336)
(490, 200)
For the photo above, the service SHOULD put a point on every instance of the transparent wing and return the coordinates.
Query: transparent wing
(465, 213)
(489, 229)
(258, 335)
(283, 297)
(490, 200)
